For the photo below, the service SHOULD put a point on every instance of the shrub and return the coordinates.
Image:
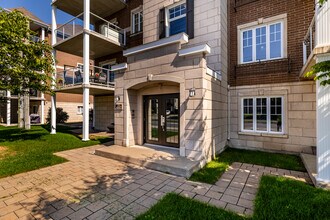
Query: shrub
(61, 116)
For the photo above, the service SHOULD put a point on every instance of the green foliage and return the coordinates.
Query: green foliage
(21, 59)
(214, 169)
(322, 1)
(61, 116)
(321, 71)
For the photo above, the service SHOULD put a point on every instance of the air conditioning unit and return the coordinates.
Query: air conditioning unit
(110, 33)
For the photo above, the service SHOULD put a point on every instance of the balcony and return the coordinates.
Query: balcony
(317, 38)
(71, 80)
(103, 8)
(105, 37)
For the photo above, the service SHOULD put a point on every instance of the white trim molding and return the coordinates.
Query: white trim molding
(117, 67)
(215, 74)
(181, 38)
(204, 48)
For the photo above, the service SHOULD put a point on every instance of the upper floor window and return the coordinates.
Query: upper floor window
(137, 20)
(262, 42)
(176, 19)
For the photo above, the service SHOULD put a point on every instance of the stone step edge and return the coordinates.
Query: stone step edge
(150, 164)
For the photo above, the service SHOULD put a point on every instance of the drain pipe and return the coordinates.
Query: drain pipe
(228, 114)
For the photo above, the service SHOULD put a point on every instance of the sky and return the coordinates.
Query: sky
(40, 8)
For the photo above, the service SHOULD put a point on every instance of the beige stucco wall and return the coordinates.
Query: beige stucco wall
(104, 115)
(299, 117)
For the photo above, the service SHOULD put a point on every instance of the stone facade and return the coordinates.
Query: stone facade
(299, 117)
(104, 115)
(203, 118)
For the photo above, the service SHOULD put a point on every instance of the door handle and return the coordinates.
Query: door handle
(162, 122)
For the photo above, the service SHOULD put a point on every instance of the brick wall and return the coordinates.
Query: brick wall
(124, 21)
(299, 16)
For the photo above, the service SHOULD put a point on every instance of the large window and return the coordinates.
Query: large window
(262, 114)
(137, 21)
(262, 42)
(176, 19)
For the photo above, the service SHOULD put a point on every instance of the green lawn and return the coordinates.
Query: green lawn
(277, 198)
(214, 169)
(22, 151)
(173, 207)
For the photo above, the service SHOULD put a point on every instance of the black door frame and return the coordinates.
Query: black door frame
(161, 111)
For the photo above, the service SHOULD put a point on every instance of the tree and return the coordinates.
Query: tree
(61, 116)
(22, 60)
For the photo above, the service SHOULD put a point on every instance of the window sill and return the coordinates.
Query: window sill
(263, 62)
(263, 134)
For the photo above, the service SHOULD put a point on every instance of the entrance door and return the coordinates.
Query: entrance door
(162, 119)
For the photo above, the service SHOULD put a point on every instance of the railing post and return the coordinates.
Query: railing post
(73, 28)
(53, 98)
(108, 77)
(304, 53)
(124, 37)
(8, 120)
(73, 74)
(42, 107)
(311, 38)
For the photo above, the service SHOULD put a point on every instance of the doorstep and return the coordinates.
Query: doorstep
(160, 159)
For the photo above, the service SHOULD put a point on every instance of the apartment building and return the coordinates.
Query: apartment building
(273, 106)
(39, 102)
(167, 78)
(198, 75)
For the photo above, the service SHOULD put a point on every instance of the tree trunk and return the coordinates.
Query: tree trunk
(27, 123)
(20, 112)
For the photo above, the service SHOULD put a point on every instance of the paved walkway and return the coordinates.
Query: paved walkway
(92, 187)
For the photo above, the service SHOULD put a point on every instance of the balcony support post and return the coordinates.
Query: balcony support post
(53, 97)
(8, 120)
(86, 47)
(42, 104)
(304, 53)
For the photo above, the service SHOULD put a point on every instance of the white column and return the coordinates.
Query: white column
(86, 71)
(94, 112)
(323, 128)
(8, 108)
(53, 98)
(42, 107)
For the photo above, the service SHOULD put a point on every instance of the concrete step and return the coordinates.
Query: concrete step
(163, 160)
(309, 161)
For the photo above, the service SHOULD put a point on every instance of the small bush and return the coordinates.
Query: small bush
(61, 116)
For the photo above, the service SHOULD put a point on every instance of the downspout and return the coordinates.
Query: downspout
(228, 114)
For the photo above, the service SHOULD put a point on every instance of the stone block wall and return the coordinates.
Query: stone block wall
(299, 117)
(104, 112)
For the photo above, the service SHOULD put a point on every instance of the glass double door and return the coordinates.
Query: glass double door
(162, 120)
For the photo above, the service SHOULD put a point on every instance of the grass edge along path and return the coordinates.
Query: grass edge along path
(212, 171)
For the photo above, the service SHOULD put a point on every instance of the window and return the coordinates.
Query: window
(176, 19)
(262, 114)
(80, 110)
(137, 21)
(263, 42)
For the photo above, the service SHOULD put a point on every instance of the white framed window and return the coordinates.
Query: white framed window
(80, 110)
(263, 114)
(176, 21)
(262, 42)
(137, 20)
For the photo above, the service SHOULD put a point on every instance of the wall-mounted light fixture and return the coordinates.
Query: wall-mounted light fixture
(192, 92)
(117, 98)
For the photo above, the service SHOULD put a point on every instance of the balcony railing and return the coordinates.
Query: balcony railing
(309, 41)
(75, 76)
(318, 33)
(98, 25)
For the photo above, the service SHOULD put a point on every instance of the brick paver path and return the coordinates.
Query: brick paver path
(92, 187)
